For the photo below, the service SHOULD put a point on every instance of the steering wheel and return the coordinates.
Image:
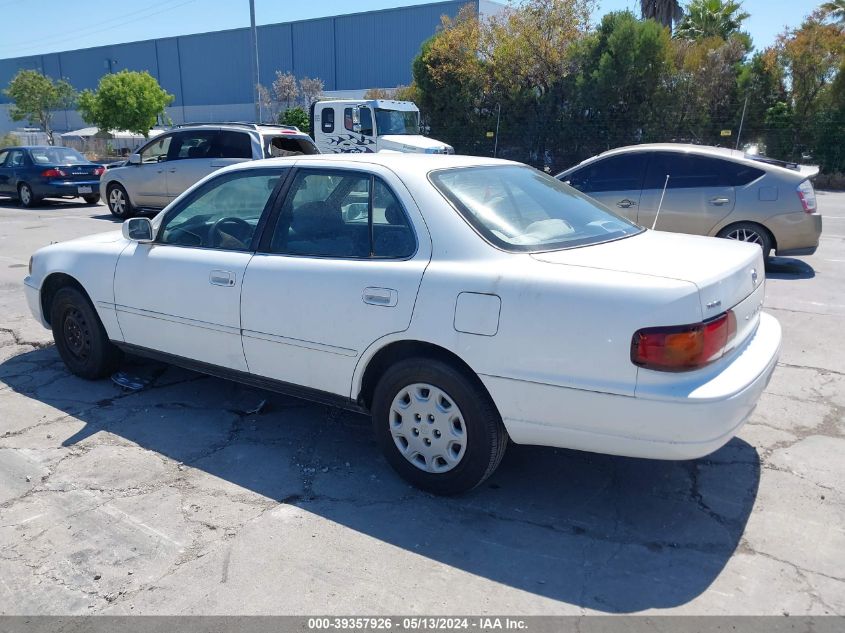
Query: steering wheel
(216, 230)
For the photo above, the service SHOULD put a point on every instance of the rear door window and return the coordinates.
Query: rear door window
(196, 144)
(616, 173)
(327, 120)
(230, 144)
(685, 171)
(275, 146)
(3, 155)
(739, 175)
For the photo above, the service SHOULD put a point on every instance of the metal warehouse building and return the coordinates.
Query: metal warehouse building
(210, 73)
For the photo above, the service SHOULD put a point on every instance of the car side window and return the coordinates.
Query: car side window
(196, 144)
(739, 174)
(342, 214)
(230, 144)
(156, 152)
(347, 119)
(16, 158)
(366, 121)
(223, 213)
(3, 155)
(615, 173)
(327, 120)
(685, 171)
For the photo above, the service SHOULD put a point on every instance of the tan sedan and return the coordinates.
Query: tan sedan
(706, 191)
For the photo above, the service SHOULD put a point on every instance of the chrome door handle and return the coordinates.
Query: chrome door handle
(221, 278)
(386, 297)
(172, 171)
(626, 204)
(720, 201)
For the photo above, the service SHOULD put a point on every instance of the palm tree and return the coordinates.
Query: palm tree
(667, 12)
(835, 10)
(712, 18)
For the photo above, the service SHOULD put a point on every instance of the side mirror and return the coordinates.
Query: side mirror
(356, 127)
(138, 230)
(134, 159)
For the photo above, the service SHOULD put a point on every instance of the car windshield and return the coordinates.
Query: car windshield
(57, 156)
(397, 121)
(520, 209)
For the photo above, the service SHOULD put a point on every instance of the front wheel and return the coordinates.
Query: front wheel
(80, 336)
(93, 199)
(748, 232)
(118, 202)
(437, 428)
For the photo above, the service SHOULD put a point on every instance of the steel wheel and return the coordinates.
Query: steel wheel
(118, 202)
(428, 428)
(77, 334)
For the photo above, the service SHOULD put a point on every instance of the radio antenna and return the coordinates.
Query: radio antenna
(657, 215)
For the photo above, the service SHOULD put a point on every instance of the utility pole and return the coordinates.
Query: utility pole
(741, 122)
(253, 45)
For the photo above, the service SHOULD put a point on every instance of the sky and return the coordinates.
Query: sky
(49, 26)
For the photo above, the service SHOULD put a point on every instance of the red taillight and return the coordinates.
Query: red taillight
(53, 173)
(98, 171)
(683, 347)
(807, 196)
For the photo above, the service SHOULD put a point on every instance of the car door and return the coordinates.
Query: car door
(5, 173)
(699, 193)
(320, 290)
(615, 181)
(181, 293)
(15, 165)
(146, 182)
(197, 153)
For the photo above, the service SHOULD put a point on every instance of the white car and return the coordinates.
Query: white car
(459, 300)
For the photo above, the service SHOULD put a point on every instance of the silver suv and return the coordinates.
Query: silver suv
(174, 160)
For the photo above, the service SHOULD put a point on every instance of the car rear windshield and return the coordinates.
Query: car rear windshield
(57, 156)
(520, 209)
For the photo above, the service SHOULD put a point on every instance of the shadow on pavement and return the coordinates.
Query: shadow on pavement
(788, 268)
(606, 533)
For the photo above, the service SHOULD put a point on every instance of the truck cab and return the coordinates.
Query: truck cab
(342, 126)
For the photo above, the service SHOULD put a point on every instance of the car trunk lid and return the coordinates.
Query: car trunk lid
(724, 271)
(75, 173)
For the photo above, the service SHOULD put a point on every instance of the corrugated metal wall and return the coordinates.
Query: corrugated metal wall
(350, 52)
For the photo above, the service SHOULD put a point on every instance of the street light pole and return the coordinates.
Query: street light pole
(253, 45)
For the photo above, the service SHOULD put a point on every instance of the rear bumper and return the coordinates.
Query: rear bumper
(655, 427)
(796, 233)
(65, 188)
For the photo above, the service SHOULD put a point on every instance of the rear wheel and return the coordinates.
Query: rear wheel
(118, 201)
(26, 196)
(749, 232)
(437, 428)
(80, 336)
(93, 199)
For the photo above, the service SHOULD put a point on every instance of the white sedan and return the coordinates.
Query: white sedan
(458, 300)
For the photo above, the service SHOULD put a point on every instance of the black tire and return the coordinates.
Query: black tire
(114, 195)
(93, 199)
(80, 336)
(26, 196)
(485, 435)
(749, 232)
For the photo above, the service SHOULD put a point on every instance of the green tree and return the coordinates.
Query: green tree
(625, 67)
(295, 116)
(760, 81)
(36, 97)
(834, 10)
(127, 100)
(666, 12)
(711, 18)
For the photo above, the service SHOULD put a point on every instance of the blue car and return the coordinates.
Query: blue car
(30, 174)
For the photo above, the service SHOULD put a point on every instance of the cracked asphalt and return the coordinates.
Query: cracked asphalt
(177, 500)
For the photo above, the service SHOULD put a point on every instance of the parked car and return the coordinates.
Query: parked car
(32, 173)
(711, 191)
(468, 301)
(173, 161)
